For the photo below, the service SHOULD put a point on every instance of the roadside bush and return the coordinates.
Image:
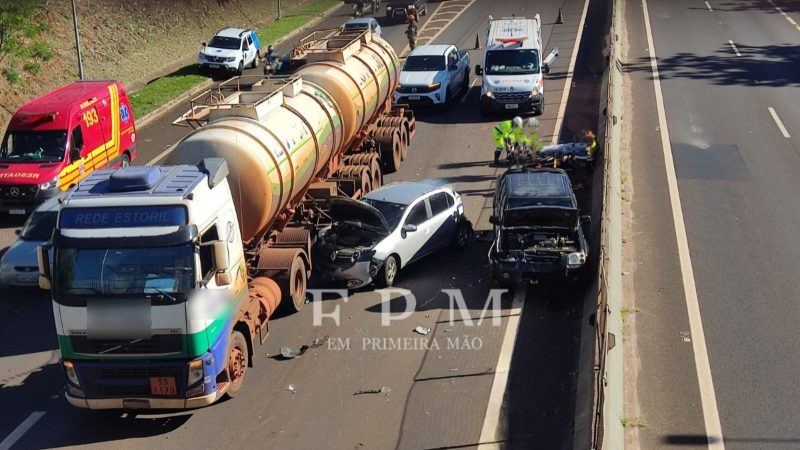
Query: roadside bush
(32, 68)
(11, 74)
(41, 50)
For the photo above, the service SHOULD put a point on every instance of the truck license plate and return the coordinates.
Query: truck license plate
(28, 278)
(413, 97)
(512, 106)
(213, 66)
(163, 386)
(17, 212)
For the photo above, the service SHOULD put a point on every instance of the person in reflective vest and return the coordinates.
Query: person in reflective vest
(591, 143)
(507, 132)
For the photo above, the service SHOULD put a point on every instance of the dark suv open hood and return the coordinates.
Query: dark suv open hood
(541, 216)
(354, 211)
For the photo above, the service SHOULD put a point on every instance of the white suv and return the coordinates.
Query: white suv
(391, 227)
(231, 50)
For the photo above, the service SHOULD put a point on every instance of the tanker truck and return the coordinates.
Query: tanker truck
(164, 277)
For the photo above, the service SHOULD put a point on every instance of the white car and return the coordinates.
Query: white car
(231, 50)
(363, 23)
(375, 237)
(19, 266)
(433, 75)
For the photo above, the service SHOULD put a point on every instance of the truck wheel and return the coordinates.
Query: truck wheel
(391, 154)
(238, 360)
(293, 286)
(255, 61)
(240, 70)
(388, 272)
(125, 161)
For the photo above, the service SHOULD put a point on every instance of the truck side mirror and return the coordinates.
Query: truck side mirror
(478, 70)
(204, 44)
(221, 260)
(43, 260)
(586, 219)
(494, 220)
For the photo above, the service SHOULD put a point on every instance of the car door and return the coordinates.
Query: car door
(411, 242)
(248, 49)
(455, 75)
(442, 222)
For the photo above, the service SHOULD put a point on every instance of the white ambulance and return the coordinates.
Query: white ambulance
(513, 69)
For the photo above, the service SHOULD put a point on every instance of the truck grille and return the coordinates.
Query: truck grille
(158, 344)
(216, 59)
(512, 97)
(18, 191)
(135, 390)
(133, 373)
(414, 89)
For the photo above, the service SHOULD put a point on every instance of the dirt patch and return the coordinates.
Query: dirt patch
(133, 41)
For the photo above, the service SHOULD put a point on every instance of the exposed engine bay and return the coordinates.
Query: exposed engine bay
(343, 234)
(535, 241)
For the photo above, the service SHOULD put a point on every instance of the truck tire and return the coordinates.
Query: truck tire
(238, 361)
(240, 70)
(388, 273)
(293, 286)
(255, 61)
(124, 160)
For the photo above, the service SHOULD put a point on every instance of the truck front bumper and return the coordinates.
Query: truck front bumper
(353, 276)
(24, 205)
(507, 272)
(496, 105)
(143, 403)
(436, 97)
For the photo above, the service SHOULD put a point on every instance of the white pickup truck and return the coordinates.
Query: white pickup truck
(433, 75)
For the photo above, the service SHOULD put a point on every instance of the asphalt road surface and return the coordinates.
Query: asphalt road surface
(730, 77)
(438, 396)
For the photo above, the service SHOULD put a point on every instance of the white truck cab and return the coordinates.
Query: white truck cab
(513, 70)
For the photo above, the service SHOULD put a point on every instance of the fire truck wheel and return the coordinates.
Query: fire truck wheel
(125, 161)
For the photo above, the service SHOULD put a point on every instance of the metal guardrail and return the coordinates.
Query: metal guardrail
(608, 327)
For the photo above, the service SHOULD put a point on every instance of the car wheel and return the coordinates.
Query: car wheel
(388, 272)
(462, 236)
(256, 60)
(240, 70)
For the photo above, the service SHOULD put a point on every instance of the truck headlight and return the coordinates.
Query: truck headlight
(534, 92)
(575, 259)
(230, 59)
(52, 184)
(434, 86)
(201, 56)
(72, 376)
(489, 94)
(195, 372)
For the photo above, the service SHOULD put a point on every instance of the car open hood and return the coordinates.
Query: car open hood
(354, 211)
(541, 216)
(414, 78)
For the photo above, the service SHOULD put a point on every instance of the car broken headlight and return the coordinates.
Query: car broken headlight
(575, 259)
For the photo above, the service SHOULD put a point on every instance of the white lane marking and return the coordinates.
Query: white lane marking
(491, 419)
(568, 82)
(778, 122)
(21, 429)
(708, 396)
(406, 49)
(160, 155)
(733, 46)
(708, 6)
(783, 13)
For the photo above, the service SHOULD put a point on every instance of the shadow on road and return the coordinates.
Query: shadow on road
(768, 65)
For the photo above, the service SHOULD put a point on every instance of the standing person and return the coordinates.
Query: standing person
(505, 134)
(411, 32)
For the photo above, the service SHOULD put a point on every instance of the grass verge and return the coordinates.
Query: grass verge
(169, 87)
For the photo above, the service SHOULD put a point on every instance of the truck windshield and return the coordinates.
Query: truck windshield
(427, 63)
(518, 62)
(39, 226)
(124, 271)
(227, 43)
(33, 146)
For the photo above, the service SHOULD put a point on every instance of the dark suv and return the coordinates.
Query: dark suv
(397, 11)
(537, 228)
